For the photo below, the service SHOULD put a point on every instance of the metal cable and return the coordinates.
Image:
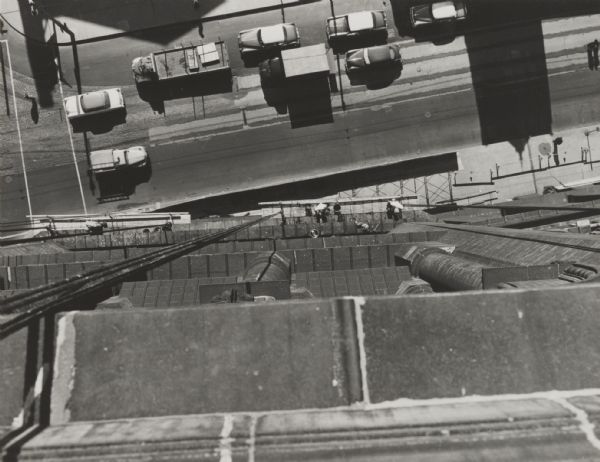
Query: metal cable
(26, 307)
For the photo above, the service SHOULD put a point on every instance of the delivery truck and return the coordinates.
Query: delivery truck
(183, 63)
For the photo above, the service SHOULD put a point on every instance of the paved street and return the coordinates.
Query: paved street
(450, 96)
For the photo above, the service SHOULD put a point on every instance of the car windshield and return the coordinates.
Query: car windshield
(380, 54)
(95, 101)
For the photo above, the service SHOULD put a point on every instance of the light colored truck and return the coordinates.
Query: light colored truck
(181, 63)
(94, 103)
(111, 160)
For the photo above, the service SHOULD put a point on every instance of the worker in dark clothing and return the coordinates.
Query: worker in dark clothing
(590, 55)
(556, 142)
(595, 47)
(337, 211)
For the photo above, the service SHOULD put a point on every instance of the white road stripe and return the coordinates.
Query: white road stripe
(12, 82)
(226, 440)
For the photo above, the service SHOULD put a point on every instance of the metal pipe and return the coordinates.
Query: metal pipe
(444, 270)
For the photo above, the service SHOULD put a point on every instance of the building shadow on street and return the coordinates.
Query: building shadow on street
(341, 45)
(139, 16)
(510, 82)
(377, 78)
(121, 184)
(319, 187)
(505, 45)
(99, 123)
(156, 93)
(306, 100)
(254, 58)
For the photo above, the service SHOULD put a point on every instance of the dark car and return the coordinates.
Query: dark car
(381, 56)
(438, 13)
(271, 70)
(355, 24)
(279, 36)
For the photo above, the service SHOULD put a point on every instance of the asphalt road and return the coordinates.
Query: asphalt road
(508, 91)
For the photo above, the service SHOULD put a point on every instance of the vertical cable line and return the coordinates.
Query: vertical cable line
(70, 137)
(12, 82)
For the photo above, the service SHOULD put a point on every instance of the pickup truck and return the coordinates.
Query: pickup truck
(94, 103)
(437, 13)
(110, 160)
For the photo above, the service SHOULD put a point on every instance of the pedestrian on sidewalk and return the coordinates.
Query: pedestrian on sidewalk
(595, 46)
(196, 4)
(590, 55)
(35, 112)
(556, 142)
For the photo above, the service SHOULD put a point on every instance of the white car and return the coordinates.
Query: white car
(356, 24)
(95, 102)
(279, 36)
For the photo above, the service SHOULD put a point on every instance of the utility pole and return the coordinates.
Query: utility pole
(4, 78)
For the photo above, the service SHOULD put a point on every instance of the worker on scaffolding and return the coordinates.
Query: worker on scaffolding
(394, 209)
(321, 212)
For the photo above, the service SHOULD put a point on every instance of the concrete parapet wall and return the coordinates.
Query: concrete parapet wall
(121, 364)
(323, 353)
(482, 343)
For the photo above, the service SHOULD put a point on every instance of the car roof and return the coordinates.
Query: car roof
(379, 54)
(95, 101)
(443, 10)
(272, 34)
(361, 20)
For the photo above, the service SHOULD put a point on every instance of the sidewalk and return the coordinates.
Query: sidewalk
(497, 171)
(103, 19)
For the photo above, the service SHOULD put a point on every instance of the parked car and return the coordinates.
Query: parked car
(93, 103)
(356, 24)
(108, 160)
(437, 13)
(280, 36)
(271, 70)
(375, 57)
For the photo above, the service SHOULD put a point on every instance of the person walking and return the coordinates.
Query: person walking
(590, 55)
(196, 4)
(595, 46)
